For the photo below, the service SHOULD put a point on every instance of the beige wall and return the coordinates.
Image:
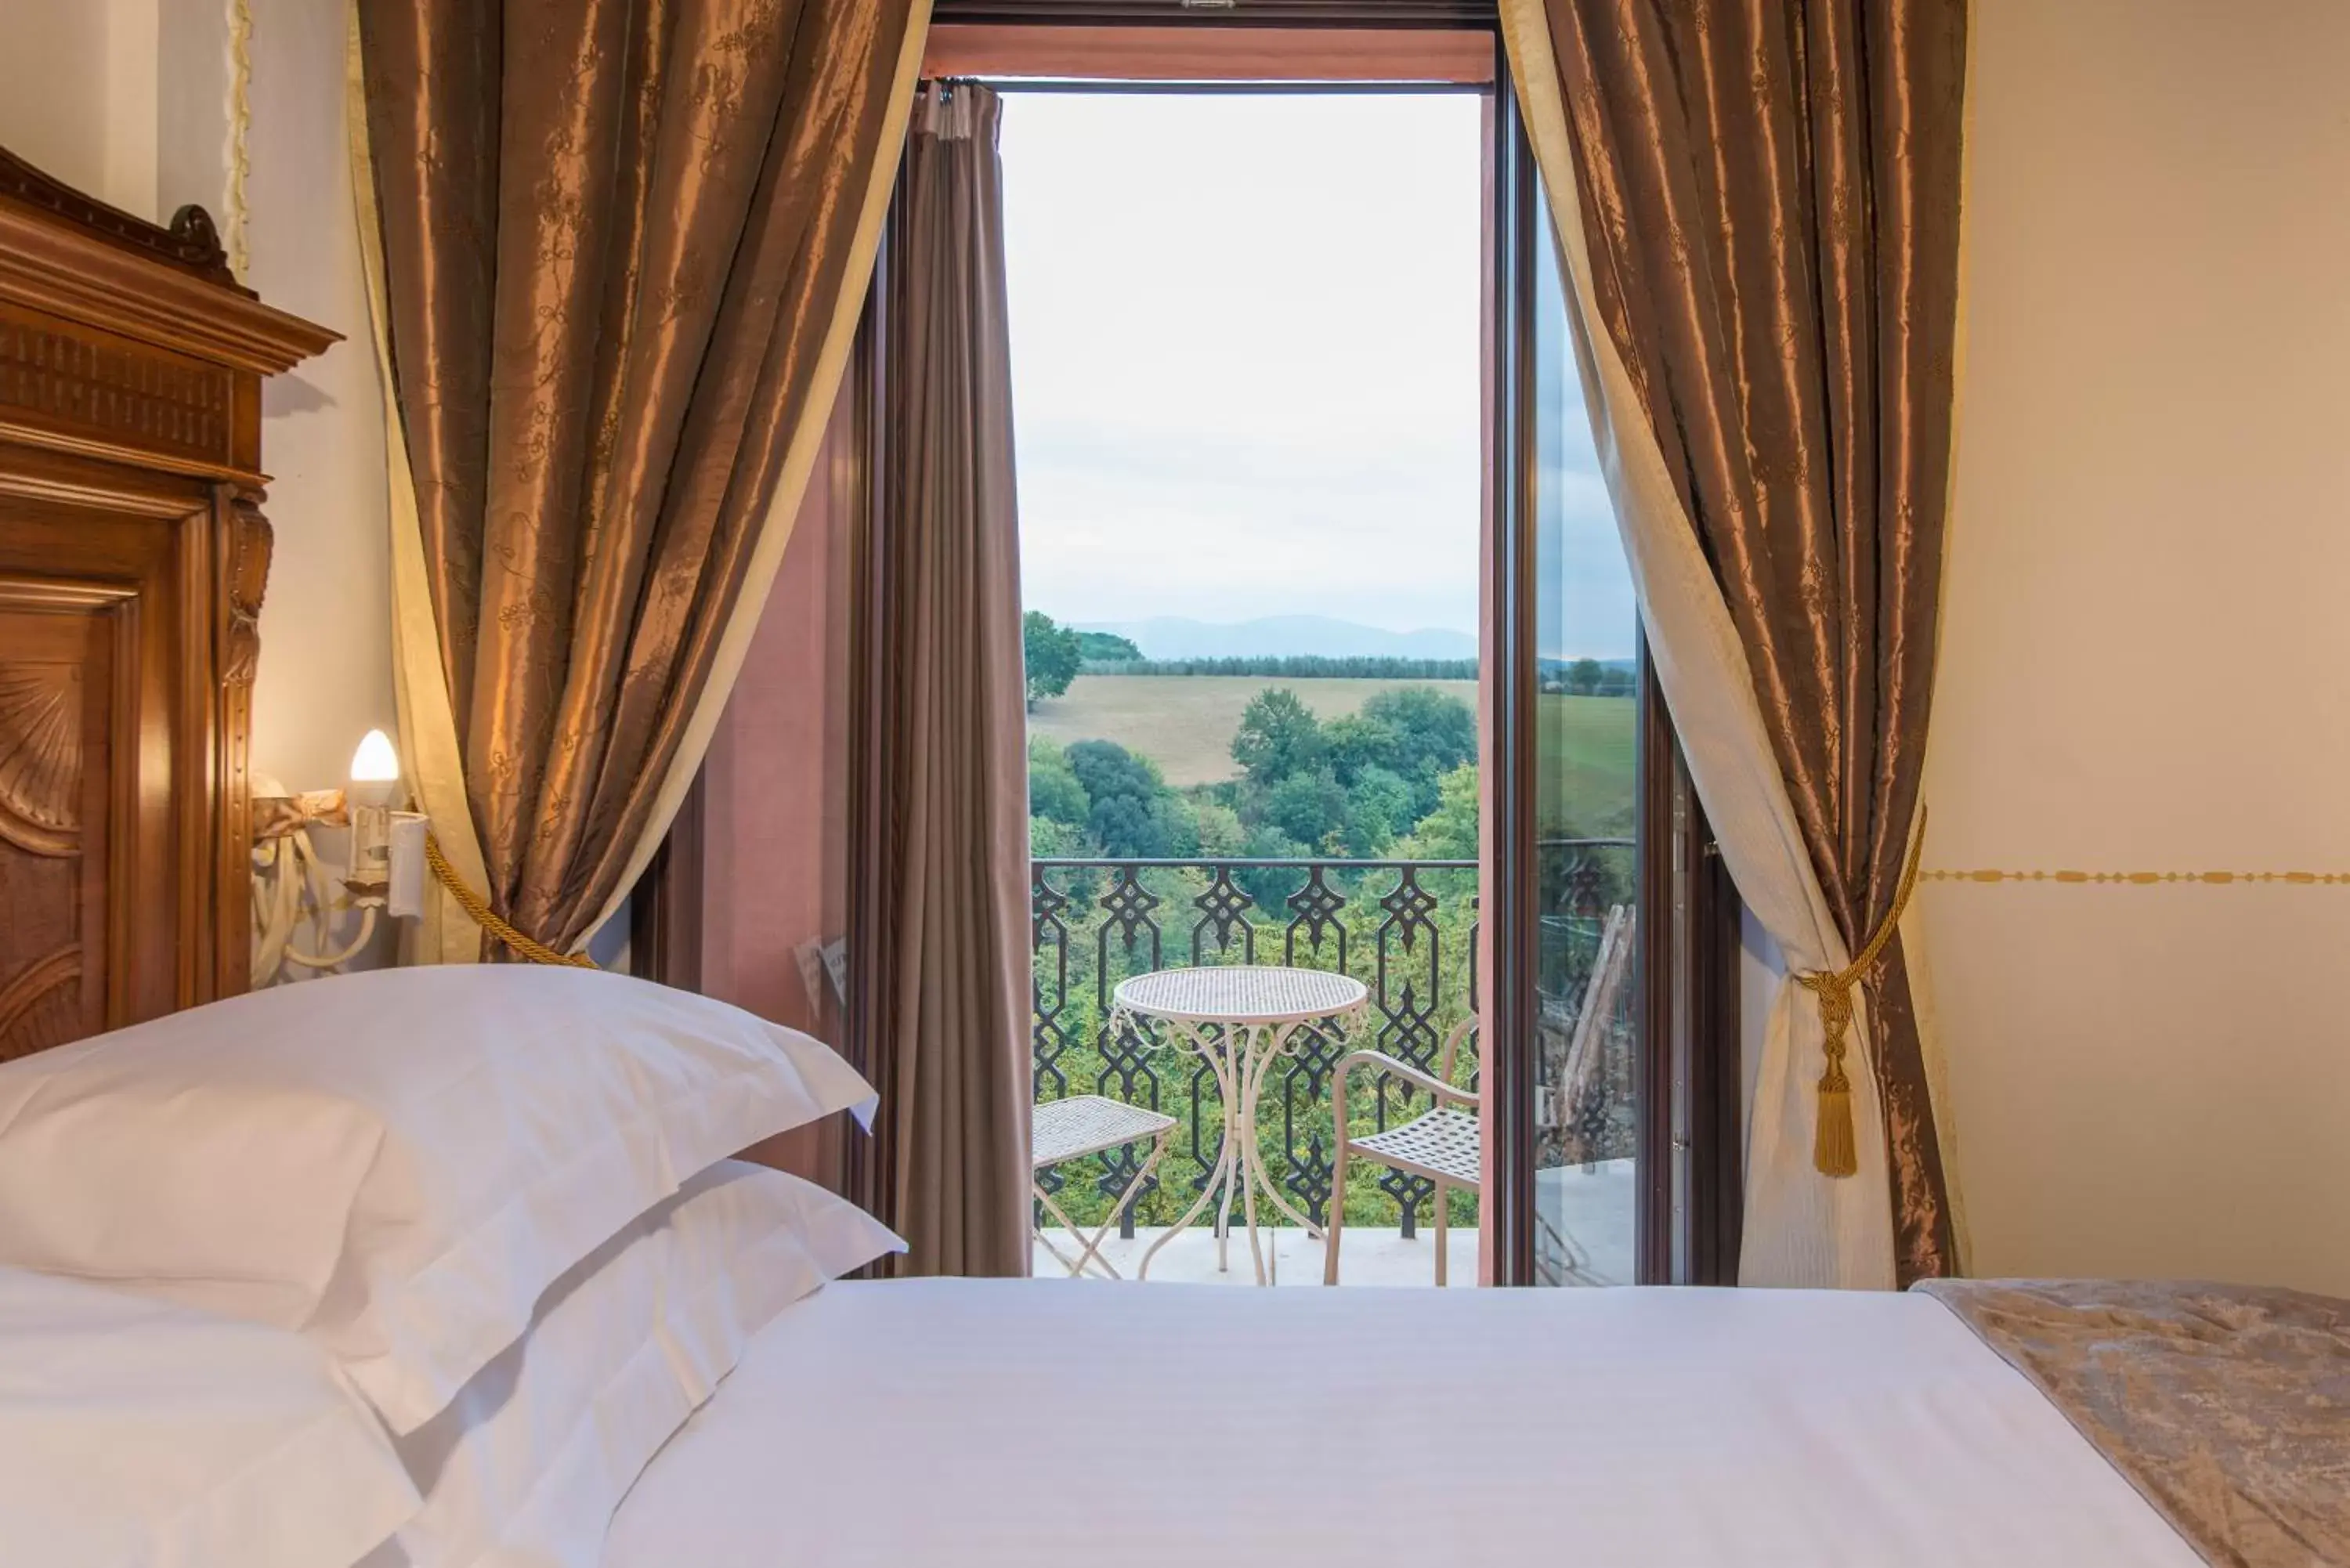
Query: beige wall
(325, 628)
(53, 90)
(2146, 662)
(128, 99)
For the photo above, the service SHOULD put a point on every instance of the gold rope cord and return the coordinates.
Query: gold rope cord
(1834, 1151)
(489, 919)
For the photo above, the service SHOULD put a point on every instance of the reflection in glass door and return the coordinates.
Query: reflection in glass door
(1585, 804)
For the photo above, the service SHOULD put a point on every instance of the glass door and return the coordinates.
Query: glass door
(1614, 1043)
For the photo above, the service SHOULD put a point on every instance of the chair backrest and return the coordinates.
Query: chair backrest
(1453, 1041)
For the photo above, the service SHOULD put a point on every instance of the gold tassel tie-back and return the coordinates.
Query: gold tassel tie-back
(1834, 1150)
(489, 919)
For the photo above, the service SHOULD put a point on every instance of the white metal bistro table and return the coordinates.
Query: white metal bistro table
(1239, 1019)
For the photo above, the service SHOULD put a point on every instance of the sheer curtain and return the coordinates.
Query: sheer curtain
(1759, 208)
(617, 254)
(940, 945)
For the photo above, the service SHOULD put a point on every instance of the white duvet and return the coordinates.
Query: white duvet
(1049, 1424)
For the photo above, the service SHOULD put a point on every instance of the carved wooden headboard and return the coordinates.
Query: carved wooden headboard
(133, 557)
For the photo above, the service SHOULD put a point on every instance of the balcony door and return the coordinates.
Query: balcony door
(1612, 1054)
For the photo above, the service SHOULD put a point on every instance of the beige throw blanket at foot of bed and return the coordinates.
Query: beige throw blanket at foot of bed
(2227, 1407)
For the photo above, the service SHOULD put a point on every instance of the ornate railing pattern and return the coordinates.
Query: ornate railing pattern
(1406, 928)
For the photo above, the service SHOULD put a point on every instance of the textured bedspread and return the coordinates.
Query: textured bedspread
(2228, 1407)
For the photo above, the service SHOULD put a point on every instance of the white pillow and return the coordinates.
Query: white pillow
(396, 1163)
(528, 1462)
(133, 1431)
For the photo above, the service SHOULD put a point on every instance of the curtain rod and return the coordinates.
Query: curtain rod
(1087, 85)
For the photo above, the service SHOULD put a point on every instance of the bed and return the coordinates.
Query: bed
(1046, 1423)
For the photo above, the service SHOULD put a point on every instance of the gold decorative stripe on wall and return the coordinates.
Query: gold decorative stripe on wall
(2147, 879)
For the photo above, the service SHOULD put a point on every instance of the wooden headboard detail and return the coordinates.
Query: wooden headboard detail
(132, 559)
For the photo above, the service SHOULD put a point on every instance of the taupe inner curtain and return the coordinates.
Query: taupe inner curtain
(615, 241)
(1767, 198)
(942, 941)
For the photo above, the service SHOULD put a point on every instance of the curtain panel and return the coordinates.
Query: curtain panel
(1759, 209)
(616, 248)
(940, 947)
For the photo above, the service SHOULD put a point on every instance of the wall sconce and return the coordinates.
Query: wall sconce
(383, 872)
(375, 775)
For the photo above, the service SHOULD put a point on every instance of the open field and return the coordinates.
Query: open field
(1185, 725)
(1590, 785)
(1185, 722)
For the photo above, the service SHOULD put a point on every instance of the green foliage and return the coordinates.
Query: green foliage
(1220, 827)
(1278, 737)
(1584, 675)
(1434, 733)
(1449, 831)
(1106, 647)
(1289, 666)
(1615, 682)
(1125, 817)
(1051, 840)
(1310, 807)
(1356, 742)
(1176, 824)
(1052, 653)
(1106, 769)
(1054, 791)
(1378, 807)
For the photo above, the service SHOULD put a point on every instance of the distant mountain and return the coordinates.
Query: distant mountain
(1282, 636)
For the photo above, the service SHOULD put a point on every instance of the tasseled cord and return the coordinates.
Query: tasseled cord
(477, 907)
(1835, 1150)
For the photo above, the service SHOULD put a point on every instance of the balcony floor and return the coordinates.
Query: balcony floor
(1593, 1207)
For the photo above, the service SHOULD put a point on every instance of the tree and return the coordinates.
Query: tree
(1583, 677)
(1434, 734)
(1449, 831)
(1052, 654)
(1177, 823)
(1309, 807)
(1054, 791)
(1355, 742)
(1616, 682)
(1278, 736)
(1221, 833)
(1125, 830)
(1106, 647)
(1050, 840)
(1378, 806)
(1109, 771)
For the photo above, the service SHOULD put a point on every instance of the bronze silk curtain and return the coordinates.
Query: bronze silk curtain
(1769, 191)
(615, 236)
(940, 940)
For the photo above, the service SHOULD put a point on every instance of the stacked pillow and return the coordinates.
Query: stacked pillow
(494, 1203)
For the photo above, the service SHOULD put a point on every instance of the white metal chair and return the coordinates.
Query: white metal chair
(1445, 1145)
(1091, 1124)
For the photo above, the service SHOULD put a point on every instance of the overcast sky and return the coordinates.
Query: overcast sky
(1245, 365)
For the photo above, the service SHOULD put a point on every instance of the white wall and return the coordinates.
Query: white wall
(326, 626)
(2145, 658)
(53, 89)
(129, 99)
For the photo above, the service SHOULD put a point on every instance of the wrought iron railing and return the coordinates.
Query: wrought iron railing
(1407, 929)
